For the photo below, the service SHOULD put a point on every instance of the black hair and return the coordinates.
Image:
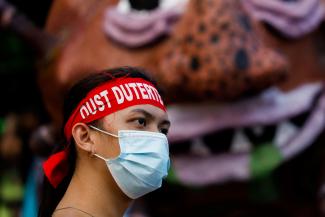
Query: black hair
(50, 196)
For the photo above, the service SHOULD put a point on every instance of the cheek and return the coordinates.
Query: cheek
(108, 147)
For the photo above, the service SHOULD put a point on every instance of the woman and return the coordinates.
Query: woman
(115, 129)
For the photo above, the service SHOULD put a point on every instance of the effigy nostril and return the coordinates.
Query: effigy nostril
(144, 4)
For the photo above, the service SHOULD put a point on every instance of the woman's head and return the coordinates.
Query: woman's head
(104, 110)
(84, 86)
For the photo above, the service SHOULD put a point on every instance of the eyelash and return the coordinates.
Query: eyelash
(142, 122)
(139, 122)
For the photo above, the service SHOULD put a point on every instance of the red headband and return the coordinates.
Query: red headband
(103, 100)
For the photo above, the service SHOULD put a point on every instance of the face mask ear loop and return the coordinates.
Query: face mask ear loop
(102, 131)
(104, 159)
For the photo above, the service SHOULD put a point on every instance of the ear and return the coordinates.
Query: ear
(82, 137)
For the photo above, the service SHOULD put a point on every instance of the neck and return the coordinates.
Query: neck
(92, 189)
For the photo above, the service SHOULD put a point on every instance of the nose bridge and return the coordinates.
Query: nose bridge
(153, 126)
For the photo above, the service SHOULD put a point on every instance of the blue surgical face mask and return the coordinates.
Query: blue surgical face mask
(143, 161)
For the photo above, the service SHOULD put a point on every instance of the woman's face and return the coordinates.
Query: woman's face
(138, 117)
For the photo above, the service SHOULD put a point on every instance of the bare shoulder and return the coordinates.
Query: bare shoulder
(70, 212)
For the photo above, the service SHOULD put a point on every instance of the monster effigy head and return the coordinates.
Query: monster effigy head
(197, 50)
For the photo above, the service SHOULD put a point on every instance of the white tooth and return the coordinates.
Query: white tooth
(124, 6)
(240, 143)
(199, 148)
(171, 4)
(284, 132)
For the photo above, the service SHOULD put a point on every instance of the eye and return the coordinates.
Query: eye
(141, 121)
(164, 131)
(144, 4)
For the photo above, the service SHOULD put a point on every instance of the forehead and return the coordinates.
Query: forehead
(154, 111)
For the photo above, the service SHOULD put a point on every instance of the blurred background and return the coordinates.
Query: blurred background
(22, 110)
(243, 81)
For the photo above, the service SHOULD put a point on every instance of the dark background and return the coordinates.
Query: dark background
(18, 86)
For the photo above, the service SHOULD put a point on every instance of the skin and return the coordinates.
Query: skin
(92, 188)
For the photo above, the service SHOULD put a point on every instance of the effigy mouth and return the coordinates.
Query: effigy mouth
(243, 141)
(136, 28)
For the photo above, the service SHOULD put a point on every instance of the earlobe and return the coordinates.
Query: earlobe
(82, 137)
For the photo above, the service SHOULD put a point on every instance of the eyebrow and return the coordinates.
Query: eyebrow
(150, 116)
